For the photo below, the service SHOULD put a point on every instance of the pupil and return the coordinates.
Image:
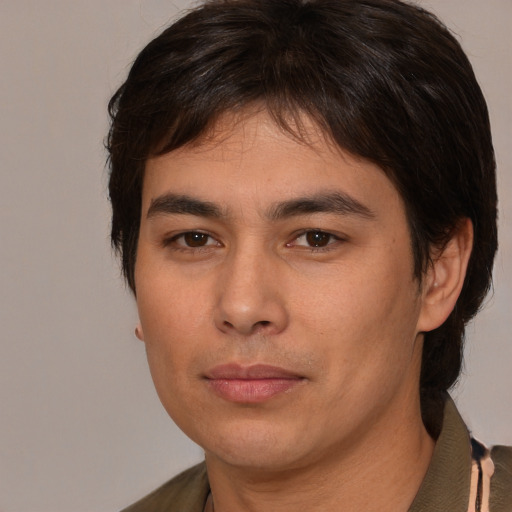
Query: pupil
(317, 238)
(195, 239)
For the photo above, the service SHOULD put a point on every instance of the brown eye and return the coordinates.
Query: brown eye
(195, 239)
(318, 238)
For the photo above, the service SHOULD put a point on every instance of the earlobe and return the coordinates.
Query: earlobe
(445, 277)
(139, 333)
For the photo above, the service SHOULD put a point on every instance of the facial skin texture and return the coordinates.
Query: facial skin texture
(344, 320)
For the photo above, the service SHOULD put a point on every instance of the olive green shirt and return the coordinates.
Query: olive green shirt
(444, 489)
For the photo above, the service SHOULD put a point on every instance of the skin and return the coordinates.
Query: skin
(345, 318)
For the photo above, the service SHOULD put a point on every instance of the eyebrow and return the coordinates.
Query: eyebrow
(169, 204)
(330, 202)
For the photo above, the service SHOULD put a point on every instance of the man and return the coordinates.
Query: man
(304, 200)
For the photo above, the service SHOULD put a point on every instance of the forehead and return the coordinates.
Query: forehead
(247, 156)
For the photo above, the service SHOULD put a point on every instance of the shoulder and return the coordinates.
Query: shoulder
(501, 481)
(186, 492)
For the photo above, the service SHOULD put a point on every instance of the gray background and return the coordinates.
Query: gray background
(81, 428)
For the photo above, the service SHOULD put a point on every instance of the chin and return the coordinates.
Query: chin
(254, 447)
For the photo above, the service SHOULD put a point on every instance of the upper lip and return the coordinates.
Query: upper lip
(252, 372)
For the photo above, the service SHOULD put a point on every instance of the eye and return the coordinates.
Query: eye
(315, 239)
(193, 240)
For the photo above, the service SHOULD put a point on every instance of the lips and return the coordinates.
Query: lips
(251, 384)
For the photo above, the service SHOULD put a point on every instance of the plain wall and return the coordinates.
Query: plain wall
(81, 428)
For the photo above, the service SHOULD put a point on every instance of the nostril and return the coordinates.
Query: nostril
(262, 325)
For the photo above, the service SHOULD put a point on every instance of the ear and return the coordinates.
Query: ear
(139, 332)
(443, 281)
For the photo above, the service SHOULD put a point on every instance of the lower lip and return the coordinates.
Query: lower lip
(251, 391)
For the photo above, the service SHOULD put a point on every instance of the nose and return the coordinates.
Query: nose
(251, 297)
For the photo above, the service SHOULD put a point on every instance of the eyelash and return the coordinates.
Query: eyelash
(171, 242)
(333, 240)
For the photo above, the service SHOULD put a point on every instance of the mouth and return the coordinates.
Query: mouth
(251, 384)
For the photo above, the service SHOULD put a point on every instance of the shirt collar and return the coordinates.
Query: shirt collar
(446, 483)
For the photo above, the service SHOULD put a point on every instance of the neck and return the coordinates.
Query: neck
(380, 473)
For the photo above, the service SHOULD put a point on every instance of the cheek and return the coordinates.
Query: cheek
(364, 316)
(170, 305)
(353, 300)
(172, 339)
(173, 318)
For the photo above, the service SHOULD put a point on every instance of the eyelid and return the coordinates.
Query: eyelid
(177, 240)
(334, 239)
(173, 240)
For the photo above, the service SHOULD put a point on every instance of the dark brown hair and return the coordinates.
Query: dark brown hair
(384, 79)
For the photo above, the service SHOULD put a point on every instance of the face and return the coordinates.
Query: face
(276, 296)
